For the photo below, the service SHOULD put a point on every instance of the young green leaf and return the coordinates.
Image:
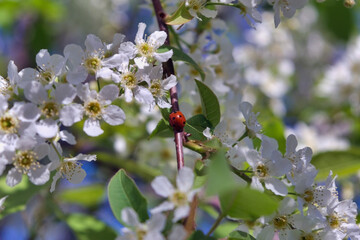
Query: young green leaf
(87, 227)
(196, 125)
(122, 193)
(162, 130)
(342, 163)
(238, 235)
(180, 16)
(199, 235)
(179, 55)
(247, 203)
(210, 103)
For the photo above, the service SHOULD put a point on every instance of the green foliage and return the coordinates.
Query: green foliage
(247, 203)
(273, 127)
(88, 196)
(342, 163)
(220, 179)
(122, 193)
(196, 125)
(223, 230)
(179, 55)
(18, 196)
(87, 227)
(162, 129)
(210, 103)
(199, 235)
(180, 16)
(238, 235)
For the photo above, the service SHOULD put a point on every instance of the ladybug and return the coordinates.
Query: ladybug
(177, 121)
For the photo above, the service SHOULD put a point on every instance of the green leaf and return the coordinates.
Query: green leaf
(247, 203)
(162, 129)
(196, 125)
(165, 112)
(88, 196)
(122, 193)
(238, 235)
(220, 179)
(180, 16)
(179, 55)
(342, 163)
(199, 235)
(210, 103)
(18, 196)
(87, 227)
(223, 230)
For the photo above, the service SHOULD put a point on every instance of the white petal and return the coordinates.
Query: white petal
(29, 112)
(143, 95)
(56, 177)
(93, 44)
(13, 178)
(83, 91)
(27, 75)
(104, 73)
(116, 60)
(92, 127)
(276, 186)
(162, 186)
(77, 75)
(71, 114)
(129, 49)
(141, 62)
(57, 63)
(43, 58)
(185, 179)
(39, 176)
(140, 33)
(47, 128)
(113, 115)
(67, 137)
(41, 150)
(169, 82)
(13, 73)
(109, 92)
(156, 222)
(163, 57)
(162, 102)
(64, 93)
(84, 157)
(256, 184)
(75, 54)
(178, 232)
(207, 133)
(130, 217)
(266, 233)
(157, 38)
(291, 144)
(165, 206)
(181, 212)
(35, 92)
(128, 94)
(77, 176)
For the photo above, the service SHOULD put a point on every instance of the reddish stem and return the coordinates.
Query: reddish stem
(168, 70)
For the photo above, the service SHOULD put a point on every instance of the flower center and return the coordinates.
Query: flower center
(5, 86)
(141, 233)
(179, 198)
(8, 124)
(146, 50)
(69, 168)
(335, 221)
(93, 109)
(50, 109)
(262, 171)
(26, 160)
(129, 80)
(308, 196)
(155, 88)
(308, 237)
(92, 64)
(46, 76)
(280, 222)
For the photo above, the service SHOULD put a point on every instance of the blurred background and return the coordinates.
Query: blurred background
(303, 78)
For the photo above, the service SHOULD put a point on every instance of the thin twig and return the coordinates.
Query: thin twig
(168, 70)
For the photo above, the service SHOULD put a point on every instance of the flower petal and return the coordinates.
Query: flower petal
(165, 206)
(162, 186)
(113, 115)
(181, 212)
(185, 179)
(109, 92)
(92, 127)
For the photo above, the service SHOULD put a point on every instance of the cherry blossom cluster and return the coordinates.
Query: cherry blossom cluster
(38, 104)
(309, 210)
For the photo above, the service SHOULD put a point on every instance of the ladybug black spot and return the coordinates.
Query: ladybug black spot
(184, 123)
(173, 118)
(179, 116)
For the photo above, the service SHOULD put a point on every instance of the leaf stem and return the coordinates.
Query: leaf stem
(216, 223)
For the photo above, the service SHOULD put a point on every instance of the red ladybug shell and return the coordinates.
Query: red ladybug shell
(177, 121)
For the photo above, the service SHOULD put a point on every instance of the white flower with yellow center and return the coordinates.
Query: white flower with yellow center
(143, 51)
(253, 127)
(268, 165)
(49, 68)
(150, 230)
(9, 85)
(159, 87)
(26, 161)
(70, 168)
(97, 106)
(198, 6)
(178, 198)
(130, 80)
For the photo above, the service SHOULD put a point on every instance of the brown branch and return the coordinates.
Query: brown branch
(168, 70)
